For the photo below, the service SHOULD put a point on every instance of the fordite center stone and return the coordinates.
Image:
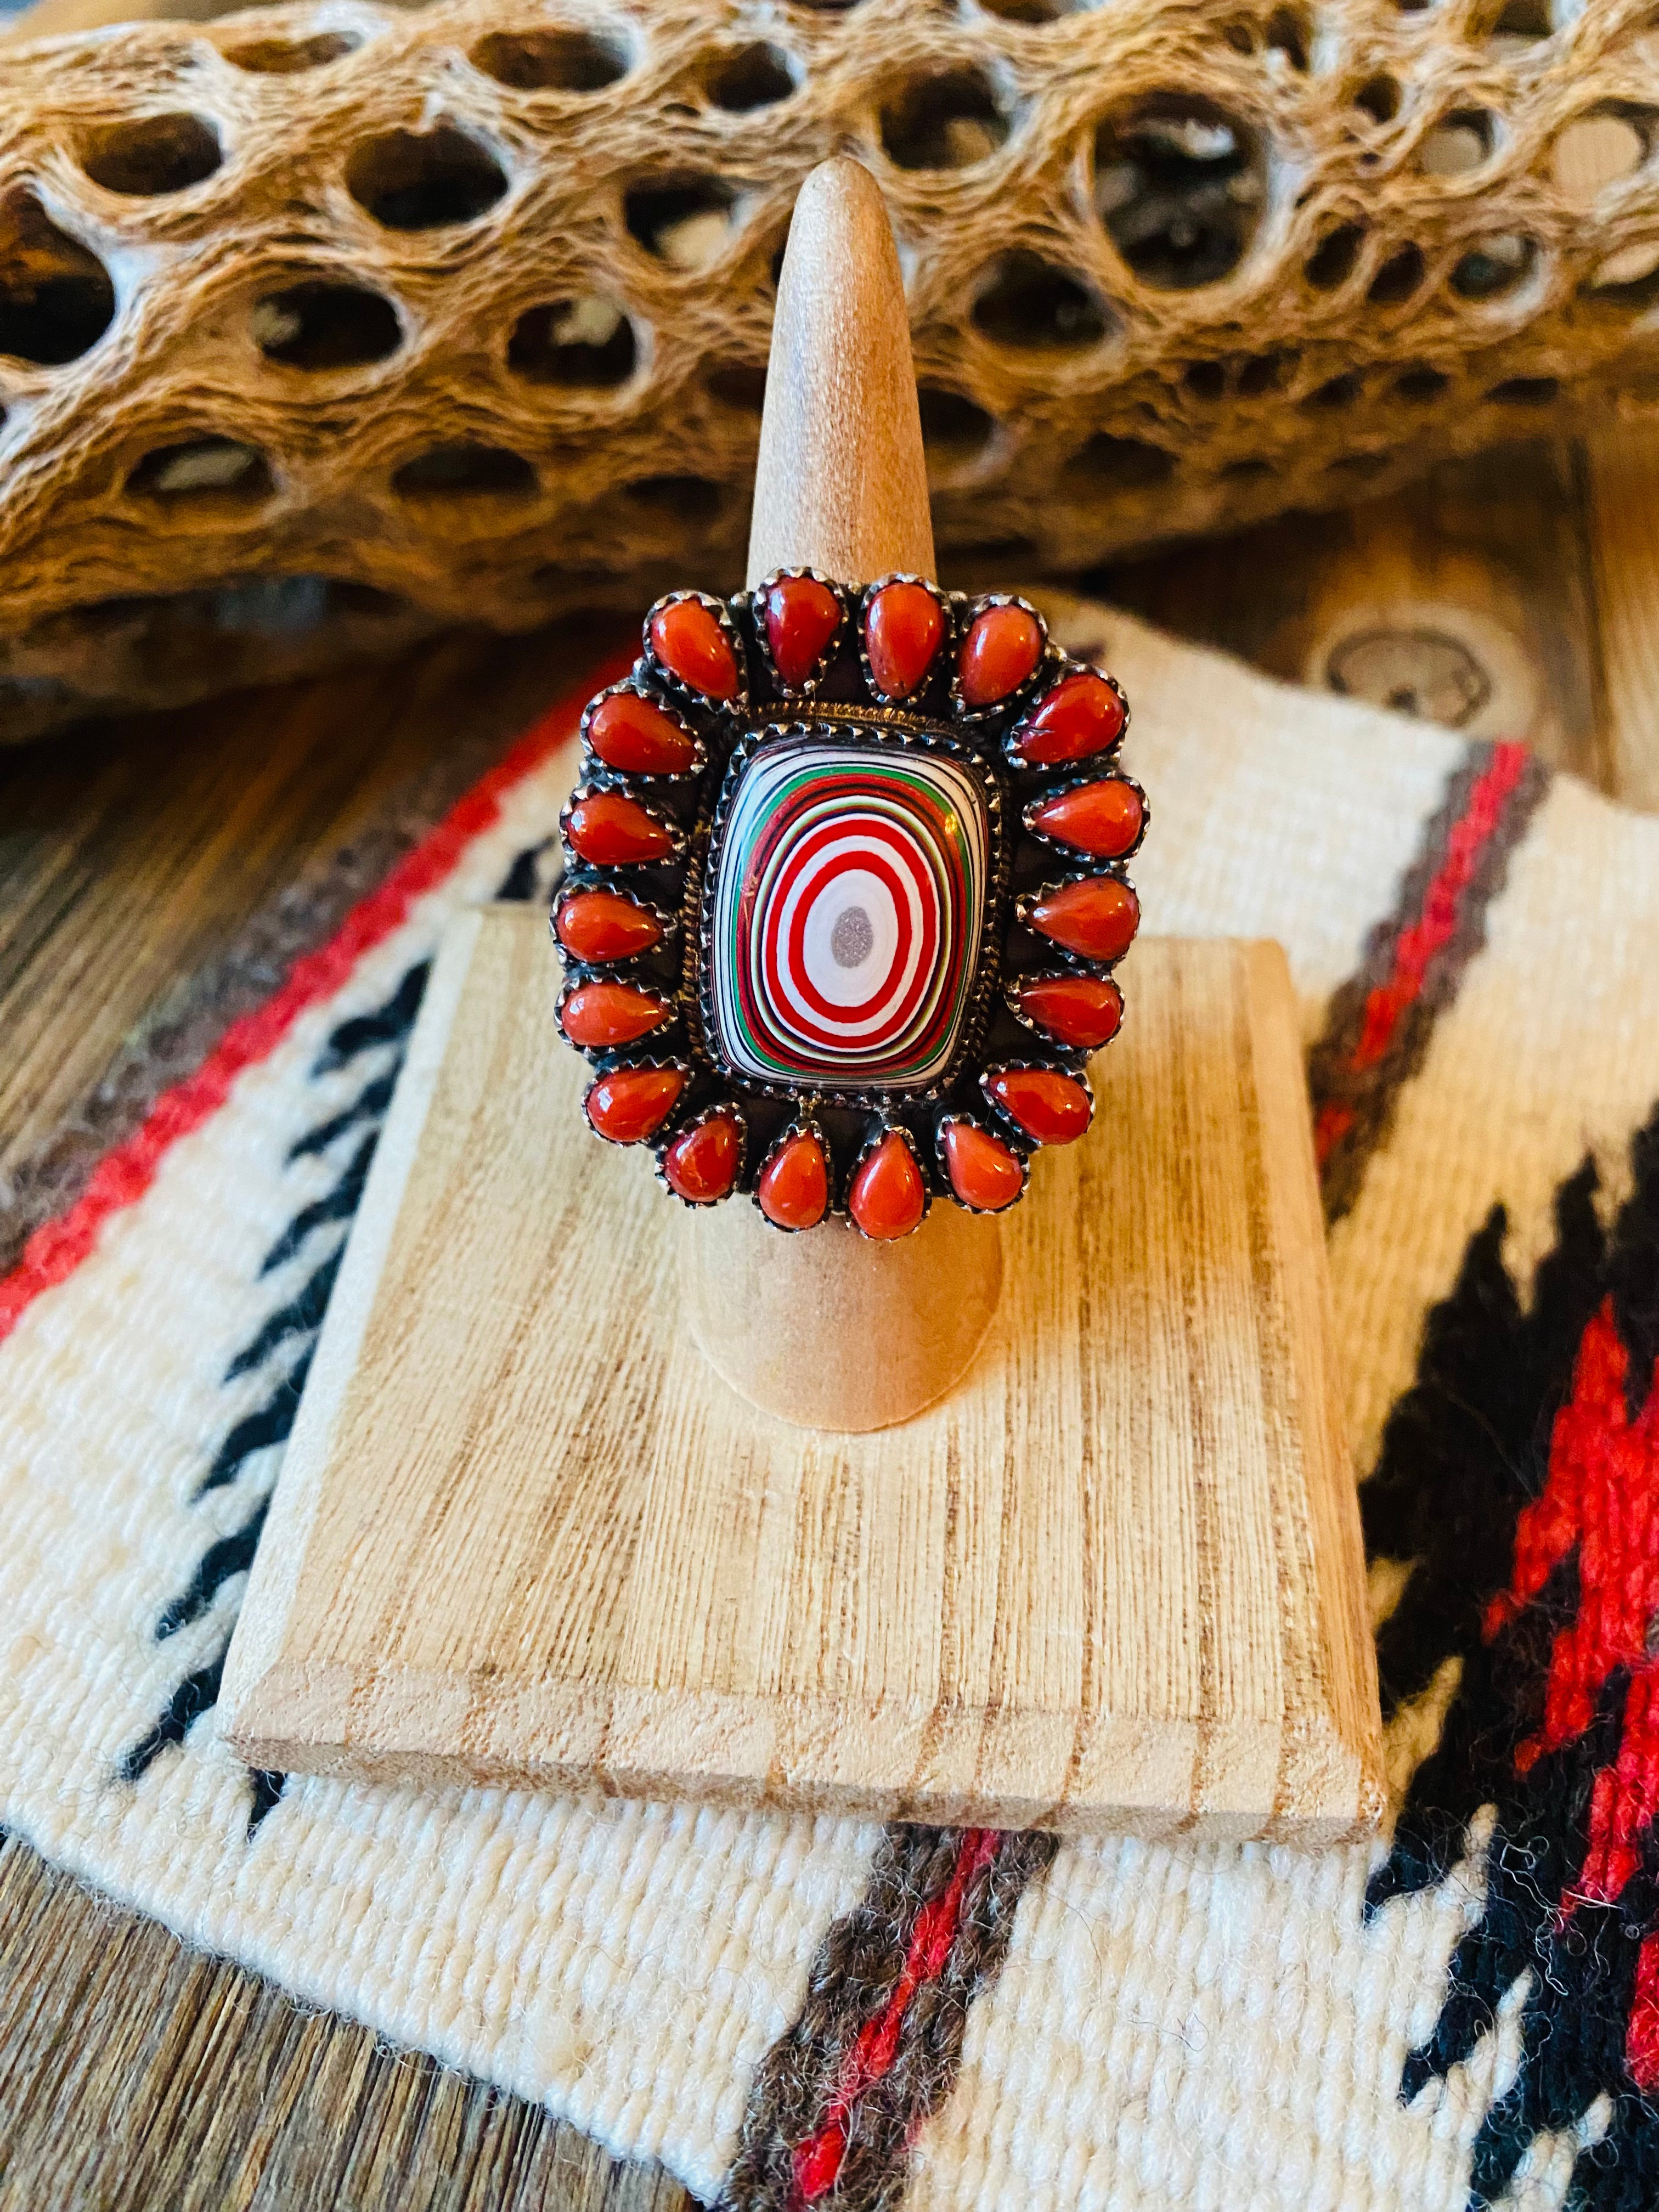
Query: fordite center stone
(845, 889)
(849, 908)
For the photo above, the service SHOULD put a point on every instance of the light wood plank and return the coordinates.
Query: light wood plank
(523, 1531)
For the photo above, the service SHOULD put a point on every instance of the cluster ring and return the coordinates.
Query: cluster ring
(845, 892)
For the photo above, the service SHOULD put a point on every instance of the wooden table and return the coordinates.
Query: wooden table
(1519, 594)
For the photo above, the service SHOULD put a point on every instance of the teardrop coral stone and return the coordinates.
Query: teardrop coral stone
(802, 615)
(1077, 1010)
(609, 829)
(702, 1164)
(1004, 644)
(1101, 819)
(598, 1016)
(902, 631)
(888, 1197)
(1051, 1107)
(691, 645)
(1097, 919)
(984, 1173)
(635, 735)
(602, 925)
(794, 1186)
(632, 1103)
(1080, 716)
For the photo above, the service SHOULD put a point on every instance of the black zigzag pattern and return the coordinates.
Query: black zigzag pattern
(1464, 1450)
(290, 1330)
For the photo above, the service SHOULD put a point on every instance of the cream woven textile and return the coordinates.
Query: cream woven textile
(1170, 2026)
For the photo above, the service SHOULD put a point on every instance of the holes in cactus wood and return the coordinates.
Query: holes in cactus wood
(55, 299)
(320, 325)
(1459, 142)
(1331, 263)
(1525, 390)
(1600, 149)
(949, 121)
(1112, 464)
(565, 59)
(1205, 379)
(1027, 302)
(954, 430)
(754, 77)
(1627, 279)
(1180, 186)
(584, 344)
(289, 56)
(1521, 23)
(1033, 12)
(1336, 392)
(1263, 372)
(695, 499)
(739, 384)
(425, 179)
(463, 470)
(1247, 375)
(1288, 38)
(1495, 266)
(152, 155)
(1399, 278)
(1285, 39)
(684, 221)
(206, 473)
(1379, 97)
(1421, 384)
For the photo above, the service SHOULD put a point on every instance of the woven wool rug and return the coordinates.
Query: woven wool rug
(795, 2012)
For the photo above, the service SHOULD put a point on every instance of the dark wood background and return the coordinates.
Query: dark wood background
(1516, 595)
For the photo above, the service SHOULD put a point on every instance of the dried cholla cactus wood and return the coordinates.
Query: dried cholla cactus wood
(455, 312)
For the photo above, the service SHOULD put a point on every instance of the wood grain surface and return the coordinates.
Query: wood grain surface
(1489, 598)
(89, 822)
(135, 2073)
(523, 1535)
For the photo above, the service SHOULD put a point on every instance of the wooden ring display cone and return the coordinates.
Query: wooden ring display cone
(829, 1329)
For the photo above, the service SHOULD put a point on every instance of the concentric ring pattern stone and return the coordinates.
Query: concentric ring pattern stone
(850, 884)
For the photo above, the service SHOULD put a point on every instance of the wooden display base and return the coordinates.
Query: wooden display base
(1114, 1580)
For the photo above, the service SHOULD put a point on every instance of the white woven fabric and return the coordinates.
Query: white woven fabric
(1174, 2028)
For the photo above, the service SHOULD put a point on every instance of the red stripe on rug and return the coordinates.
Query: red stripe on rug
(818, 2160)
(1387, 1003)
(123, 1175)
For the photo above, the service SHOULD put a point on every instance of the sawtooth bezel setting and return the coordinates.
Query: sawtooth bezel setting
(931, 753)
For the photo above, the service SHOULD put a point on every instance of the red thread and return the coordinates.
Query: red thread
(124, 1174)
(1642, 2034)
(818, 2160)
(1625, 1796)
(1331, 1124)
(1601, 1498)
(1435, 926)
